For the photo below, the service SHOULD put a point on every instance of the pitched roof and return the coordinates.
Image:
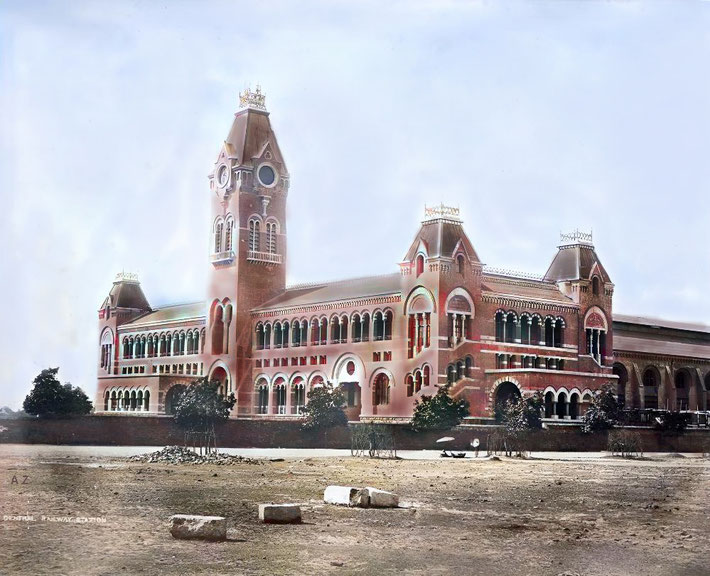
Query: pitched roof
(575, 262)
(126, 294)
(662, 347)
(250, 133)
(175, 313)
(660, 323)
(350, 289)
(441, 236)
(523, 289)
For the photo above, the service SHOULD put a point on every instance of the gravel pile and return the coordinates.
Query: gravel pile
(182, 455)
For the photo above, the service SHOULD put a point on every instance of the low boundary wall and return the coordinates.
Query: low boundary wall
(244, 433)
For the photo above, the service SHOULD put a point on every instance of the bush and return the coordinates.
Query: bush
(50, 399)
(375, 440)
(603, 412)
(519, 418)
(325, 408)
(199, 408)
(439, 412)
(625, 443)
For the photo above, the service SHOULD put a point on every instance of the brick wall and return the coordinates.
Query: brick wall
(161, 431)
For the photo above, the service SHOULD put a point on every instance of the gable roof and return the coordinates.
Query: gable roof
(350, 289)
(504, 286)
(126, 294)
(174, 313)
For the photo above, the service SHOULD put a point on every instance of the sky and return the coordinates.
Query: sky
(533, 118)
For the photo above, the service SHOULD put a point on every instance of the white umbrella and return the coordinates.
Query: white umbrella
(445, 439)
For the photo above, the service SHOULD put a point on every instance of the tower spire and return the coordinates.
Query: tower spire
(255, 100)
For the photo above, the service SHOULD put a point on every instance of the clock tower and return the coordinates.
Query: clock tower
(247, 261)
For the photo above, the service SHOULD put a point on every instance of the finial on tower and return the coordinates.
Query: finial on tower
(255, 99)
(441, 211)
(124, 276)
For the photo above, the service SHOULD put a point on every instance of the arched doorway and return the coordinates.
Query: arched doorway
(651, 380)
(562, 406)
(506, 392)
(620, 371)
(219, 374)
(349, 374)
(682, 384)
(574, 406)
(549, 404)
(172, 398)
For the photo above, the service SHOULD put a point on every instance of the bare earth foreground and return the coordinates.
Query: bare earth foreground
(591, 517)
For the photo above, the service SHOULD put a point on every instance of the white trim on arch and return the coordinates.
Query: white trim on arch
(460, 291)
(601, 313)
(419, 291)
(379, 371)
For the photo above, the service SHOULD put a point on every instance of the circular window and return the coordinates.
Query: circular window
(223, 175)
(267, 176)
(350, 368)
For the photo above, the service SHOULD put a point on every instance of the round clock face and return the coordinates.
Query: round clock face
(267, 176)
(222, 175)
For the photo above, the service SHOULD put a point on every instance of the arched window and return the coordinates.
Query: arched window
(595, 285)
(271, 237)
(218, 229)
(450, 374)
(107, 399)
(335, 330)
(280, 396)
(558, 334)
(510, 325)
(356, 328)
(459, 370)
(323, 331)
(298, 395)
(427, 375)
(254, 235)
(409, 383)
(228, 235)
(381, 390)
(277, 335)
(315, 331)
(681, 390)
(500, 326)
(295, 334)
(262, 395)
(549, 331)
(420, 265)
(218, 330)
(460, 263)
(469, 366)
(417, 381)
(286, 331)
(304, 332)
(343, 329)
(267, 335)
(378, 324)
(388, 319)
(651, 381)
(365, 326)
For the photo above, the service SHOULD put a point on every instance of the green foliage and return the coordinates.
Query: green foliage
(673, 422)
(325, 408)
(439, 412)
(603, 412)
(625, 443)
(50, 399)
(201, 406)
(520, 417)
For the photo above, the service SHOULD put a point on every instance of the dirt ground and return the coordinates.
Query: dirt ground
(537, 517)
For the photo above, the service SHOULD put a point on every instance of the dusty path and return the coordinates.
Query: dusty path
(592, 517)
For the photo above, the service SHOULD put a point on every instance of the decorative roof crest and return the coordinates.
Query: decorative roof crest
(576, 237)
(126, 277)
(441, 211)
(255, 99)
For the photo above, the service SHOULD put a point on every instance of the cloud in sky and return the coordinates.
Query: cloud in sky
(532, 117)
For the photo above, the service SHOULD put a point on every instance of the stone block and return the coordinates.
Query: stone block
(380, 498)
(343, 495)
(280, 513)
(186, 526)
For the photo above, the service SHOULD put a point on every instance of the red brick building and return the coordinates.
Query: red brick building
(387, 340)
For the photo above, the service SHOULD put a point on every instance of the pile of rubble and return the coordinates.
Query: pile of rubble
(182, 455)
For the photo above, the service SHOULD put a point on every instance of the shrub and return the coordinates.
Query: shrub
(439, 412)
(603, 412)
(199, 408)
(325, 408)
(625, 443)
(50, 399)
(519, 418)
(375, 440)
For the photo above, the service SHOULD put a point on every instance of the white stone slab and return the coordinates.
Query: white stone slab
(343, 495)
(380, 498)
(186, 526)
(280, 513)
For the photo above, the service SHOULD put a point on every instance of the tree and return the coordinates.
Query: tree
(50, 399)
(325, 408)
(520, 417)
(603, 412)
(199, 409)
(439, 412)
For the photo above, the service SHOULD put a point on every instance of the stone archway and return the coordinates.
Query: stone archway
(172, 398)
(505, 392)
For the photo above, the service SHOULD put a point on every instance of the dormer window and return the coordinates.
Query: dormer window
(460, 262)
(595, 285)
(420, 265)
